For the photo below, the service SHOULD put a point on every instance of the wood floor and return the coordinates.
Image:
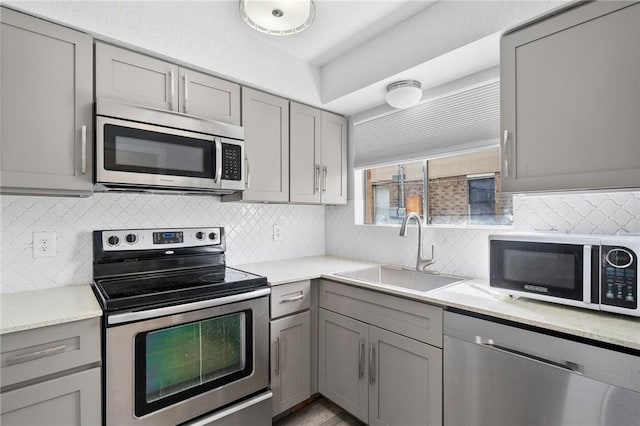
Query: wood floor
(320, 412)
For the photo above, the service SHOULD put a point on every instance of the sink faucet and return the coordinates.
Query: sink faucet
(422, 262)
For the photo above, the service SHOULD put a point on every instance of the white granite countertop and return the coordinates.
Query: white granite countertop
(302, 268)
(473, 295)
(39, 308)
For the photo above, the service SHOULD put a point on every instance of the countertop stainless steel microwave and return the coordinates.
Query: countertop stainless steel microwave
(589, 271)
(143, 148)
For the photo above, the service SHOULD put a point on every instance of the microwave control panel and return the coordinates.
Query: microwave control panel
(231, 162)
(619, 279)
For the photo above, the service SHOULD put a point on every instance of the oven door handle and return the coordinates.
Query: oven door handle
(184, 307)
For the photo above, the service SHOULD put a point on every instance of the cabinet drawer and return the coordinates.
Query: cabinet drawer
(409, 318)
(34, 353)
(289, 298)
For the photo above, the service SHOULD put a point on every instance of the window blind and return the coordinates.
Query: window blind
(460, 122)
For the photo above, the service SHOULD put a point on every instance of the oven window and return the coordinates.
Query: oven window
(142, 151)
(176, 363)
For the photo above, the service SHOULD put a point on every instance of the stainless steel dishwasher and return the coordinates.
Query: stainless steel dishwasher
(501, 375)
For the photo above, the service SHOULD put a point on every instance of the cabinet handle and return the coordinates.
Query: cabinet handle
(218, 174)
(83, 149)
(372, 365)
(247, 184)
(293, 298)
(16, 359)
(361, 360)
(186, 93)
(505, 152)
(277, 356)
(324, 185)
(173, 90)
(316, 179)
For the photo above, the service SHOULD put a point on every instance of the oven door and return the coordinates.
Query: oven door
(557, 271)
(170, 369)
(137, 154)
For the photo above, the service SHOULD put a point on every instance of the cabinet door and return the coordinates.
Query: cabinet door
(334, 159)
(135, 78)
(46, 105)
(265, 119)
(209, 97)
(342, 362)
(570, 101)
(305, 151)
(69, 400)
(290, 361)
(405, 381)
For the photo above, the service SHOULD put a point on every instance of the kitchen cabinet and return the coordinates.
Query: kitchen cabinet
(265, 119)
(46, 105)
(140, 79)
(384, 372)
(318, 149)
(570, 101)
(291, 345)
(52, 375)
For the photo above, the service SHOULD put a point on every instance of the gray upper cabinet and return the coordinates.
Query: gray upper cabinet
(318, 144)
(206, 96)
(132, 77)
(265, 119)
(334, 159)
(570, 101)
(46, 104)
(140, 79)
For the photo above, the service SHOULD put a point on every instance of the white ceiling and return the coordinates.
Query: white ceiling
(343, 62)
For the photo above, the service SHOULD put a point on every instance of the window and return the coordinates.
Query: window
(461, 189)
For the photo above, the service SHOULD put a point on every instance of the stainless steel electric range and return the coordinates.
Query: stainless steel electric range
(185, 337)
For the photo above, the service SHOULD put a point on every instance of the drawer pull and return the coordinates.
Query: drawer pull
(31, 356)
(293, 298)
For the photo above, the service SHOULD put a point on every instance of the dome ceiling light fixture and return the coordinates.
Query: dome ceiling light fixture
(404, 94)
(278, 17)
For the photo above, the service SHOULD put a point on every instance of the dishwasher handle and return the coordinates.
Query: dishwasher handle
(566, 365)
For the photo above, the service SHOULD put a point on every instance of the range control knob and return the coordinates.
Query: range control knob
(200, 235)
(213, 235)
(113, 240)
(131, 238)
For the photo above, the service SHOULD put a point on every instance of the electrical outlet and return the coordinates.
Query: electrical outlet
(44, 244)
(277, 232)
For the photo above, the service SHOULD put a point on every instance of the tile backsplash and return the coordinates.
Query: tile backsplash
(307, 231)
(248, 226)
(465, 251)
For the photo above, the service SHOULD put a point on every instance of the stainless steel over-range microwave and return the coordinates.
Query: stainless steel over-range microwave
(588, 271)
(145, 148)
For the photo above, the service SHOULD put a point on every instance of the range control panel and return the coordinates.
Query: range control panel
(149, 239)
(619, 279)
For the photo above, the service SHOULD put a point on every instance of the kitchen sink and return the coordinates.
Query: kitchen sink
(410, 279)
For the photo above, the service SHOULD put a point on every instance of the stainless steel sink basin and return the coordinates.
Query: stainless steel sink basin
(401, 277)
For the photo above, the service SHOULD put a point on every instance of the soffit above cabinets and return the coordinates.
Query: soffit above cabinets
(343, 62)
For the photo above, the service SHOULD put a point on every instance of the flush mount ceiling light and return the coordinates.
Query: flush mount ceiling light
(404, 94)
(278, 17)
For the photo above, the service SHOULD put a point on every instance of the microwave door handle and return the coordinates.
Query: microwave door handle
(586, 274)
(218, 166)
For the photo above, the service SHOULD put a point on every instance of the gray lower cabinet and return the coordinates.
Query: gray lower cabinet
(570, 100)
(52, 375)
(71, 400)
(46, 107)
(318, 148)
(265, 119)
(382, 377)
(290, 344)
(144, 80)
(291, 358)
